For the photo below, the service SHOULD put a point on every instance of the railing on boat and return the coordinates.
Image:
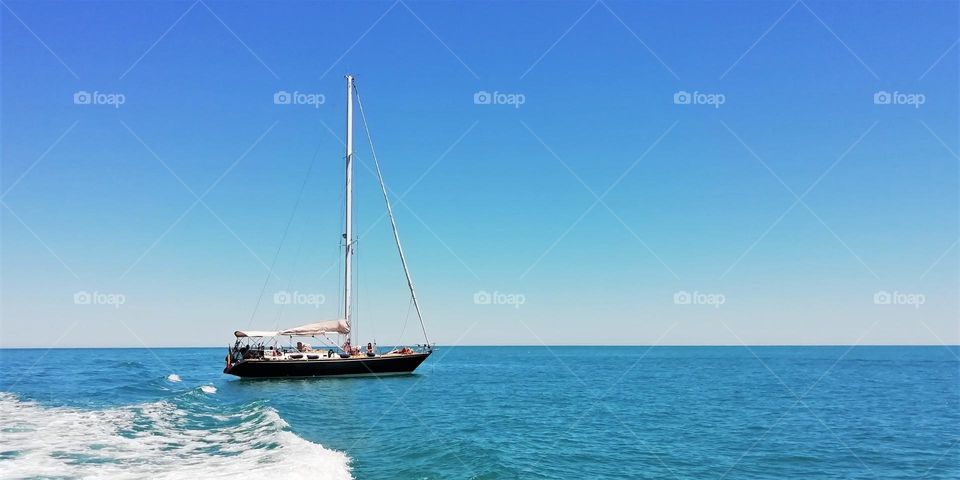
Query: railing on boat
(237, 353)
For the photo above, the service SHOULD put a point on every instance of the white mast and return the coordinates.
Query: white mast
(348, 229)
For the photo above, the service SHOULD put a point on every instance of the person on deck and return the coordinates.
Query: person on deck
(346, 348)
(370, 352)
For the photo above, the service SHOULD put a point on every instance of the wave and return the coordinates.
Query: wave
(157, 440)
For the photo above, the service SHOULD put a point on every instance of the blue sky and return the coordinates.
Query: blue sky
(598, 203)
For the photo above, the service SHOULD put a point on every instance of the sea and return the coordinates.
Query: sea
(490, 413)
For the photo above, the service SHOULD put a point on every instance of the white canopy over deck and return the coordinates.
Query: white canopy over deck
(309, 330)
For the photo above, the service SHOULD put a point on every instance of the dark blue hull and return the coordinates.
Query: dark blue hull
(387, 365)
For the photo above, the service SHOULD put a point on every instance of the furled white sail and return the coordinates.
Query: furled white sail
(318, 328)
(254, 333)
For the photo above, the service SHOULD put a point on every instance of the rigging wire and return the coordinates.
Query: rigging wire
(340, 254)
(303, 240)
(283, 238)
(356, 289)
(296, 257)
(290, 281)
(393, 222)
(405, 320)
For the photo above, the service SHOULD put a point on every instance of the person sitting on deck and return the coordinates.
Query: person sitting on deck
(299, 346)
(370, 351)
(346, 347)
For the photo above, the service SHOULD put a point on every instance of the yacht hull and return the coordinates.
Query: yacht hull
(386, 365)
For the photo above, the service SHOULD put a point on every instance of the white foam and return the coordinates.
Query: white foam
(157, 440)
(208, 389)
(173, 377)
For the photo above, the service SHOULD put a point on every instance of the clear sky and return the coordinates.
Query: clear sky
(791, 201)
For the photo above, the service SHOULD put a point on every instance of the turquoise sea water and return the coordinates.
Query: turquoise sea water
(490, 412)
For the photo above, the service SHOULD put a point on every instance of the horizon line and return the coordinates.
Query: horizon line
(141, 347)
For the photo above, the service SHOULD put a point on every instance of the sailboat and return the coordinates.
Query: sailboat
(259, 354)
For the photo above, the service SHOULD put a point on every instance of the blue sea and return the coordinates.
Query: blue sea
(490, 413)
